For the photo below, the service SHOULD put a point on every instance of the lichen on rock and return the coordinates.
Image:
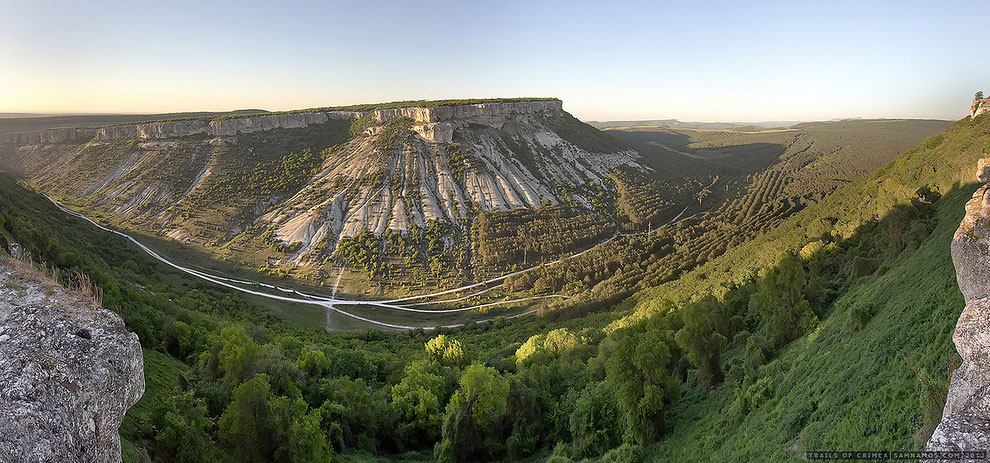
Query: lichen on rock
(70, 371)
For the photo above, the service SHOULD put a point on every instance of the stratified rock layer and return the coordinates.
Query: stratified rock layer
(451, 163)
(491, 114)
(965, 424)
(69, 372)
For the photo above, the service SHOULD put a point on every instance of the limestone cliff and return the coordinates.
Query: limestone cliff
(69, 372)
(965, 424)
(980, 106)
(492, 114)
(409, 166)
(179, 128)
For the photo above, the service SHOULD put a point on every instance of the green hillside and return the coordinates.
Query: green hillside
(873, 371)
(743, 184)
(826, 325)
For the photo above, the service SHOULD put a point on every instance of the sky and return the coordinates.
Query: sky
(689, 60)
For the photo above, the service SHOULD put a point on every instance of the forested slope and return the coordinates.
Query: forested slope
(847, 311)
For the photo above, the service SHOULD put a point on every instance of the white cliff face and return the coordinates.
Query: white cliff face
(980, 106)
(69, 373)
(452, 162)
(490, 114)
(179, 128)
(423, 188)
(965, 424)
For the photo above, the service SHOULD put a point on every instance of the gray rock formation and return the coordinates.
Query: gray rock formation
(489, 114)
(20, 138)
(965, 424)
(980, 106)
(69, 372)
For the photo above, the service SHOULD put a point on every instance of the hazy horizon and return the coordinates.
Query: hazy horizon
(13, 115)
(635, 61)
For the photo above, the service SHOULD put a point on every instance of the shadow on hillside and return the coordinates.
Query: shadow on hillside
(740, 159)
(806, 350)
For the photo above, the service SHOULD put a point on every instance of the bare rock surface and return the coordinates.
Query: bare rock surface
(965, 424)
(980, 106)
(430, 121)
(70, 371)
(451, 161)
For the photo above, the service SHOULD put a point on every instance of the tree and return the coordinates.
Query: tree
(637, 369)
(595, 422)
(300, 438)
(417, 397)
(979, 94)
(233, 356)
(247, 424)
(460, 435)
(542, 348)
(781, 303)
(180, 425)
(486, 392)
(473, 412)
(524, 418)
(446, 351)
(701, 343)
(314, 362)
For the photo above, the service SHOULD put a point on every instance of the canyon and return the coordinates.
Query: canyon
(210, 183)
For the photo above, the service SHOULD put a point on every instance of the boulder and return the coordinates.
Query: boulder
(70, 371)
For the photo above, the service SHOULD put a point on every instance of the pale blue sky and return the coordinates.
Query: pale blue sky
(689, 60)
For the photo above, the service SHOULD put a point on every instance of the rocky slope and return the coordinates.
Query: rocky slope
(70, 371)
(303, 181)
(965, 424)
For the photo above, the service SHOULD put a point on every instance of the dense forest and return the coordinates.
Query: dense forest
(750, 318)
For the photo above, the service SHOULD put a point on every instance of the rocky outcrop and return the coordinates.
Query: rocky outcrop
(980, 106)
(436, 132)
(20, 138)
(69, 372)
(965, 424)
(430, 123)
(238, 125)
(453, 163)
(490, 114)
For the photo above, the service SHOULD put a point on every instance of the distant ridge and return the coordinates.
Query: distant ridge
(12, 122)
(676, 124)
(27, 122)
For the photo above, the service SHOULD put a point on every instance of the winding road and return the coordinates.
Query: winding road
(331, 304)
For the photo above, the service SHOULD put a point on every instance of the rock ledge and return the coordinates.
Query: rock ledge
(69, 372)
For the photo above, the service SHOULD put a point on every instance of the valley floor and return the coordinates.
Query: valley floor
(374, 312)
